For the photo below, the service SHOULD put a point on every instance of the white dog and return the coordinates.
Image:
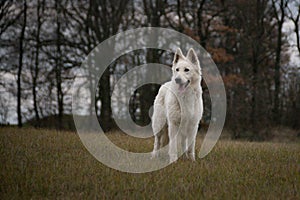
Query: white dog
(179, 103)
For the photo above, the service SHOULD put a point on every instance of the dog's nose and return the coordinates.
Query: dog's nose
(177, 80)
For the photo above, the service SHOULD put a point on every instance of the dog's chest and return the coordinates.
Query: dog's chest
(190, 105)
(185, 107)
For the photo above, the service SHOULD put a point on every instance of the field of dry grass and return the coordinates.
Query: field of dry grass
(37, 164)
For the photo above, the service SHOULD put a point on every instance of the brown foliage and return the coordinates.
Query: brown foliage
(220, 55)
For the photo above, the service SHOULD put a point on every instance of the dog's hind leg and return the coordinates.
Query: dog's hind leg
(158, 123)
(156, 146)
(164, 138)
(160, 140)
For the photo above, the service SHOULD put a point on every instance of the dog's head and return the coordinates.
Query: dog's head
(186, 70)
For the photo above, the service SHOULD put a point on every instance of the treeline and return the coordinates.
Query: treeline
(44, 42)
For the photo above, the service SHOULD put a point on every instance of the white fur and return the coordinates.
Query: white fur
(180, 105)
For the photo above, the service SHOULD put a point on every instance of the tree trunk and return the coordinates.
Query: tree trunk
(21, 51)
(297, 32)
(149, 91)
(36, 69)
(256, 52)
(280, 21)
(254, 92)
(58, 69)
(106, 120)
(203, 37)
(105, 22)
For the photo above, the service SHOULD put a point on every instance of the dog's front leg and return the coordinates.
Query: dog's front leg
(183, 143)
(173, 132)
(192, 142)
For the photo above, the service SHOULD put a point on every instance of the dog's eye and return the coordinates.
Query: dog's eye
(177, 69)
(186, 69)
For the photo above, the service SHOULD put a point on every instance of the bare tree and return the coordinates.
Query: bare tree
(8, 16)
(58, 65)
(295, 17)
(4, 108)
(106, 17)
(245, 39)
(279, 7)
(21, 51)
(35, 71)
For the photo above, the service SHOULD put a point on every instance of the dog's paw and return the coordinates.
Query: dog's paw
(173, 158)
(192, 157)
(154, 154)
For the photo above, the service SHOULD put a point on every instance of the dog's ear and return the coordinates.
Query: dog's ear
(192, 56)
(178, 55)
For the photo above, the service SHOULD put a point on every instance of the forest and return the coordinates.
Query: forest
(255, 45)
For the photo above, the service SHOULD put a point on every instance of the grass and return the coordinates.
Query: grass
(38, 164)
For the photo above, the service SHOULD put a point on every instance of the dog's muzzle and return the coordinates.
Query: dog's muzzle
(178, 80)
(182, 85)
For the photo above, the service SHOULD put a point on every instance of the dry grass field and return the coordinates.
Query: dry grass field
(47, 164)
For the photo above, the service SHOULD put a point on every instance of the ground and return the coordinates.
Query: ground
(37, 163)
